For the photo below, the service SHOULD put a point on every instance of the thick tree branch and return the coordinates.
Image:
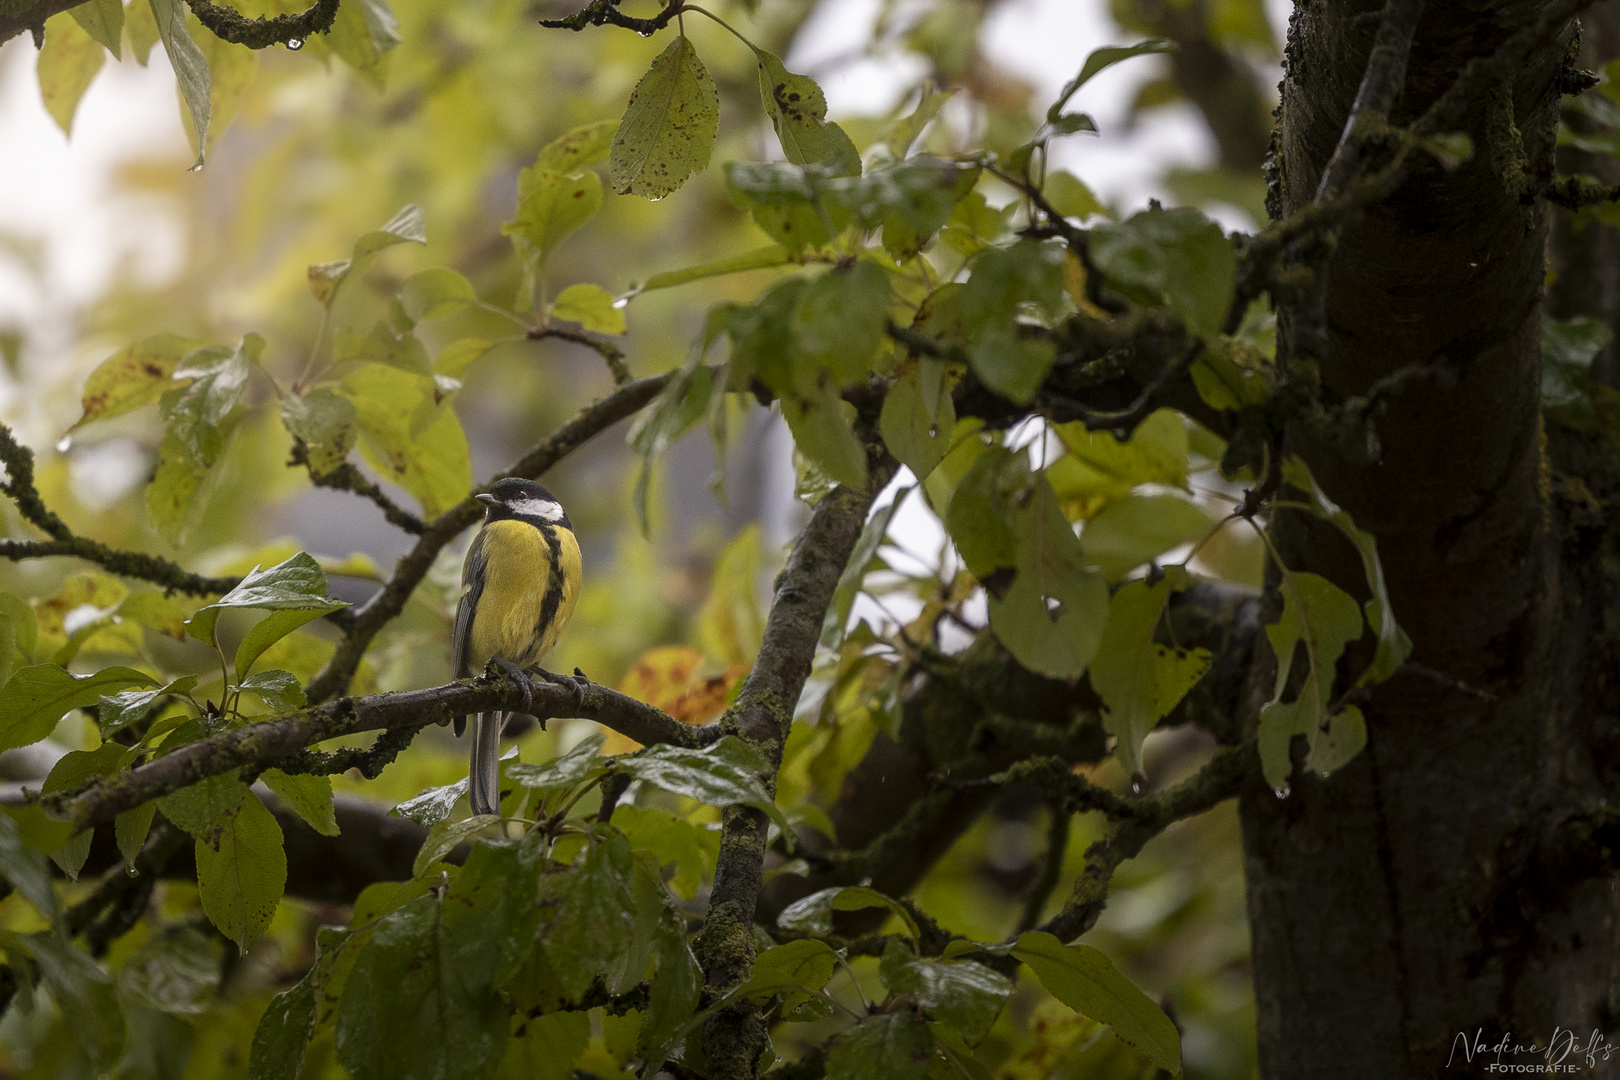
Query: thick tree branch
(271, 742)
(763, 715)
(33, 18)
(408, 573)
(19, 485)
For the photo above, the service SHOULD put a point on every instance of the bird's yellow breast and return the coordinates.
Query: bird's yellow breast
(529, 592)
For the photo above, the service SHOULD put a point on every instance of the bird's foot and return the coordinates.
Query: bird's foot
(518, 676)
(576, 682)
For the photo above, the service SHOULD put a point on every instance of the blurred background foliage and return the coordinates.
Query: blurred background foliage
(443, 109)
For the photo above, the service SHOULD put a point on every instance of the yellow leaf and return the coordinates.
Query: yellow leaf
(67, 64)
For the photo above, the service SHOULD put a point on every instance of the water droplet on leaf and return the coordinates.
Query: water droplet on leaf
(294, 44)
(1282, 791)
(1139, 783)
(933, 431)
(64, 444)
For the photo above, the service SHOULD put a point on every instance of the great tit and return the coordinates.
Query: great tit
(518, 589)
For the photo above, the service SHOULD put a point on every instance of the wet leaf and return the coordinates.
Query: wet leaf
(669, 125)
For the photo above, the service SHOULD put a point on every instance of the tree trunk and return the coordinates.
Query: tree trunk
(1447, 882)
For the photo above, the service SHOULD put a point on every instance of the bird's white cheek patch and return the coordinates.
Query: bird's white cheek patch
(545, 509)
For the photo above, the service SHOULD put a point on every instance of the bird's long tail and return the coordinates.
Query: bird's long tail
(484, 772)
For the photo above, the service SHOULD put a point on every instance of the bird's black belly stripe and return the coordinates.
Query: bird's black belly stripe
(554, 583)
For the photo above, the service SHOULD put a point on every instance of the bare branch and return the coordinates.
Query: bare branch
(606, 13)
(227, 24)
(609, 352)
(348, 478)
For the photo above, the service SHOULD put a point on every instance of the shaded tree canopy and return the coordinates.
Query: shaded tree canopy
(1027, 635)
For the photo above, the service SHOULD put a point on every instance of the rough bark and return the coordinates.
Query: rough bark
(1407, 900)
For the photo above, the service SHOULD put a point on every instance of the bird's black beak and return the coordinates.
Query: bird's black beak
(487, 499)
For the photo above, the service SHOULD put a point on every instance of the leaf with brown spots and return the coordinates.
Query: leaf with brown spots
(798, 111)
(133, 376)
(669, 126)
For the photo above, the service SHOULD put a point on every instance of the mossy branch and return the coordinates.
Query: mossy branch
(283, 739)
(230, 25)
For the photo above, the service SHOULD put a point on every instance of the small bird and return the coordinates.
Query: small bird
(518, 589)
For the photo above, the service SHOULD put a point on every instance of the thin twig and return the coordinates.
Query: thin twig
(605, 349)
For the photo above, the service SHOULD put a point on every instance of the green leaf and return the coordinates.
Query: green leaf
(455, 358)
(1128, 532)
(118, 711)
(36, 697)
(820, 421)
(408, 226)
(546, 1047)
(1568, 347)
(430, 460)
(1085, 980)
(205, 808)
(669, 125)
(386, 343)
(1100, 60)
(905, 131)
(102, 20)
(433, 805)
(984, 511)
(445, 836)
(84, 995)
(1008, 362)
(284, 1030)
(726, 773)
(1138, 679)
(592, 935)
(310, 797)
(362, 35)
(814, 913)
(839, 321)
(1324, 619)
(491, 912)
(296, 584)
(1393, 644)
(241, 871)
(849, 582)
(1051, 616)
(176, 970)
(195, 413)
(19, 633)
(580, 765)
(1069, 196)
(1099, 469)
(190, 67)
(677, 982)
(67, 65)
(272, 628)
(798, 112)
(1345, 737)
(692, 848)
(410, 1011)
(762, 258)
(435, 293)
(895, 1046)
(280, 690)
(555, 195)
(1176, 258)
(171, 497)
(806, 964)
(25, 870)
(130, 829)
(964, 994)
(591, 306)
(915, 435)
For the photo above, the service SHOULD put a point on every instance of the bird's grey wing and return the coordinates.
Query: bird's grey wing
(472, 587)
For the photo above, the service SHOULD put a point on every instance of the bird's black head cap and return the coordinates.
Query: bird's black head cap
(524, 499)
